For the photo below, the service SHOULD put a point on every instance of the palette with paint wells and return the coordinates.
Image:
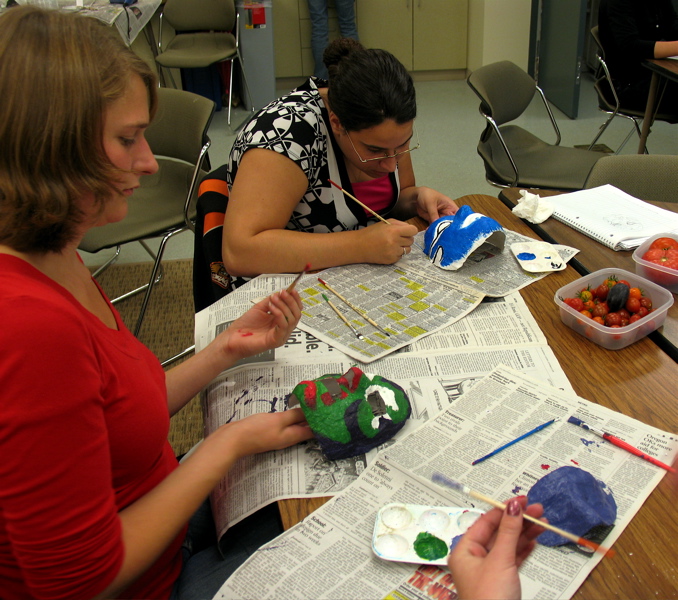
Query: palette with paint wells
(538, 257)
(420, 534)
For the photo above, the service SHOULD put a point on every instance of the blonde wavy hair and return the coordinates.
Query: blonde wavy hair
(58, 74)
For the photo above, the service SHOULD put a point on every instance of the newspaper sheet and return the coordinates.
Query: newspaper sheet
(442, 368)
(329, 554)
(408, 300)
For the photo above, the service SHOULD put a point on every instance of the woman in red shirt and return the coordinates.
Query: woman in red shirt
(92, 500)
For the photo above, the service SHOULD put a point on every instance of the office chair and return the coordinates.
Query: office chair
(203, 38)
(513, 156)
(645, 176)
(163, 205)
(608, 100)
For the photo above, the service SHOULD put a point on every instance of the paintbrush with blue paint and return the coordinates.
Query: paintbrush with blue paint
(522, 437)
(439, 478)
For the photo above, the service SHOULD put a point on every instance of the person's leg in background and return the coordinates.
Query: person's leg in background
(346, 18)
(320, 35)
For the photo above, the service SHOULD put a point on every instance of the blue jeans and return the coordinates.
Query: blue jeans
(320, 32)
(208, 564)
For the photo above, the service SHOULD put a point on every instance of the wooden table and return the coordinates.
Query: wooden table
(595, 256)
(637, 381)
(664, 69)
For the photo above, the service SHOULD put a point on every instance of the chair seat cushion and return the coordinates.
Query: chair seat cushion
(154, 208)
(539, 164)
(196, 50)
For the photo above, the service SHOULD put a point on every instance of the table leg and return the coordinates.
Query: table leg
(649, 112)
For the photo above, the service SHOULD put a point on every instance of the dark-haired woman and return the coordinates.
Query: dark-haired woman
(357, 130)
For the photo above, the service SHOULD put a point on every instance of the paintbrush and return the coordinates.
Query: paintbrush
(344, 319)
(367, 208)
(522, 437)
(353, 306)
(460, 487)
(292, 285)
(621, 444)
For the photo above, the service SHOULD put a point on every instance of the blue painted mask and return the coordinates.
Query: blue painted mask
(449, 241)
(573, 500)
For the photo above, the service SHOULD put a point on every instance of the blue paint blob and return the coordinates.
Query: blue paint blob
(526, 256)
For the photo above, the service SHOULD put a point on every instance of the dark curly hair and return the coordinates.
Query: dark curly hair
(367, 86)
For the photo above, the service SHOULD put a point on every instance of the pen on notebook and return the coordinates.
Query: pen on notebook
(460, 487)
(344, 319)
(353, 306)
(367, 208)
(522, 437)
(621, 444)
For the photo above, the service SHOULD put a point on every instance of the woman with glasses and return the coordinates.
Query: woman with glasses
(356, 130)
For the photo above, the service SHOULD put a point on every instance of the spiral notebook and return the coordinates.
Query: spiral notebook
(613, 217)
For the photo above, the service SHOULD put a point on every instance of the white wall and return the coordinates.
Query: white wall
(498, 30)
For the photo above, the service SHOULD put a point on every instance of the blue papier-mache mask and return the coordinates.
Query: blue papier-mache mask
(449, 241)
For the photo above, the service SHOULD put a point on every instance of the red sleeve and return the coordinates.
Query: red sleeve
(56, 496)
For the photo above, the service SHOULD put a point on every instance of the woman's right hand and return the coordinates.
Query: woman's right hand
(485, 562)
(387, 244)
(262, 432)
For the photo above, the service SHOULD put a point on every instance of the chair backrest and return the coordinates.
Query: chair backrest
(200, 15)
(505, 90)
(646, 176)
(595, 34)
(179, 129)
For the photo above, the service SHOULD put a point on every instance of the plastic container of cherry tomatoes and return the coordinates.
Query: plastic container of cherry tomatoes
(658, 274)
(614, 338)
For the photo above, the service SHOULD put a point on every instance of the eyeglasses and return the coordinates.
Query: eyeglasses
(386, 156)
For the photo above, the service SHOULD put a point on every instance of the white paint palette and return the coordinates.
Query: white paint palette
(420, 534)
(538, 257)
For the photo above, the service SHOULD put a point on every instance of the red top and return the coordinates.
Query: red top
(83, 434)
(376, 193)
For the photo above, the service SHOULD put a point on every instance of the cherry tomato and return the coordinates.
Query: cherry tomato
(624, 314)
(585, 295)
(664, 243)
(611, 281)
(575, 303)
(600, 310)
(586, 313)
(612, 319)
(598, 319)
(634, 318)
(601, 291)
(635, 292)
(642, 311)
(626, 283)
(646, 302)
(633, 304)
(589, 305)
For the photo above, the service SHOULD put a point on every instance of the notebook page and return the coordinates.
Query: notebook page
(613, 217)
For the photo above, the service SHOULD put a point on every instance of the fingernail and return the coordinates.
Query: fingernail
(513, 509)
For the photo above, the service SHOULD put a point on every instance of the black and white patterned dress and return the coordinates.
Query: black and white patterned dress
(297, 126)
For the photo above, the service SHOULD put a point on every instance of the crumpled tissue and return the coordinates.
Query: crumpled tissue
(533, 208)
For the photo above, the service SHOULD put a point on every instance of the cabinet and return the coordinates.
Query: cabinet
(292, 37)
(425, 35)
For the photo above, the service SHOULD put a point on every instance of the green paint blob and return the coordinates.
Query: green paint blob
(429, 547)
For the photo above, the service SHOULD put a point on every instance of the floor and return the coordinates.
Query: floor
(449, 126)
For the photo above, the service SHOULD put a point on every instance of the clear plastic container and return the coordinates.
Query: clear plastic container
(658, 274)
(614, 338)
